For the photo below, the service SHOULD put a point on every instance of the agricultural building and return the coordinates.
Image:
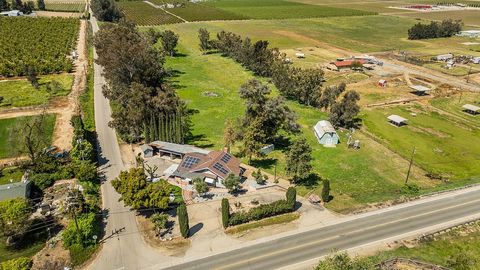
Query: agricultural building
(476, 60)
(174, 150)
(472, 109)
(382, 83)
(420, 89)
(300, 55)
(213, 167)
(397, 120)
(325, 133)
(469, 33)
(11, 13)
(444, 57)
(348, 63)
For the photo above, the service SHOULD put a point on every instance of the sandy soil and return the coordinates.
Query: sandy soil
(52, 258)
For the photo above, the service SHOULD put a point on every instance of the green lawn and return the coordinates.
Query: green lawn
(441, 250)
(445, 145)
(7, 149)
(280, 9)
(351, 172)
(19, 93)
(10, 173)
(453, 105)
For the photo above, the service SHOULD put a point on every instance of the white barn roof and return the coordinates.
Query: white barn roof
(397, 119)
(471, 107)
(420, 88)
(323, 127)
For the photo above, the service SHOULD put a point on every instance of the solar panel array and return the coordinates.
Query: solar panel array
(220, 167)
(189, 162)
(226, 157)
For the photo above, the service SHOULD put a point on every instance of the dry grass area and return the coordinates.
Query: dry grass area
(175, 247)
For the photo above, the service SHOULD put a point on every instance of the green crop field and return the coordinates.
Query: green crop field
(66, 6)
(7, 126)
(355, 182)
(280, 9)
(190, 11)
(18, 93)
(144, 14)
(446, 145)
(20, 42)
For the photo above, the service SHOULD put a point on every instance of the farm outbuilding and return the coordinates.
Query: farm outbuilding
(471, 109)
(397, 120)
(476, 60)
(300, 55)
(444, 57)
(325, 133)
(146, 150)
(382, 83)
(420, 89)
(469, 33)
(11, 13)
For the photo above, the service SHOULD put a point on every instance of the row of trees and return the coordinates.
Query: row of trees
(137, 86)
(446, 28)
(106, 10)
(25, 7)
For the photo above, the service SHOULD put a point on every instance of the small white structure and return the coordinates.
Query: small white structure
(11, 13)
(469, 33)
(420, 89)
(444, 57)
(471, 109)
(300, 55)
(396, 120)
(476, 60)
(325, 133)
(382, 83)
(146, 150)
(267, 149)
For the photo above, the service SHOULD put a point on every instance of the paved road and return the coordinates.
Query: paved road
(312, 244)
(128, 251)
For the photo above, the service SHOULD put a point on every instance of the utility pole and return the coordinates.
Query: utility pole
(72, 201)
(410, 166)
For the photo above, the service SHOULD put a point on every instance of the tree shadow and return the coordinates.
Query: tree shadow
(312, 180)
(264, 163)
(297, 205)
(199, 140)
(282, 143)
(180, 55)
(196, 228)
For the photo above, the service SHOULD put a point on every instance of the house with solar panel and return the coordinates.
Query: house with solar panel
(213, 167)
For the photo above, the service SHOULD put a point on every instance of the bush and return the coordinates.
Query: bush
(291, 196)
(86, 171)
(225, 212)
(183, 220)
(260, 212)
(326, 191)
(21, 263)
(42, 180)
(80, 254)
(87, 228)
(410, 189)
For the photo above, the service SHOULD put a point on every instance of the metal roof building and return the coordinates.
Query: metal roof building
(397, 120)
(174, 149)
(325, 133)
(472, 109)
(15, 190)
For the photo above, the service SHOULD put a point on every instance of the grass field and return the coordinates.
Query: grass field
(19, 93)
(350, 171)
(453, 105)
(440, 251)
(280, 9)
(144, 14)
(469, 17)
(7, 149)
(11, 173)
(444, 145)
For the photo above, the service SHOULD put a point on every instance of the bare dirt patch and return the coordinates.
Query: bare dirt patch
(177, 246)
(58, 14)
(53, 256)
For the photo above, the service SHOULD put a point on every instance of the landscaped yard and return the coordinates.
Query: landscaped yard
(10, 174)
(20, 92)
(7, 127)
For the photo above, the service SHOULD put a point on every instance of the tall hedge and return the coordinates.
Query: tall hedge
(260, 212)
(183, 220)
(225, 212)
(291, 196)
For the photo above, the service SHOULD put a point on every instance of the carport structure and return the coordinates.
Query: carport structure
(396, 120)
(471, 109)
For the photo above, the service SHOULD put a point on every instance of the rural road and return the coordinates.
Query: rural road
(128, 251)
(305, 246)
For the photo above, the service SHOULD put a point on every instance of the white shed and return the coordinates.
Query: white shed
(397, 120)
(300, 55)
(325, 133)
(472, 109)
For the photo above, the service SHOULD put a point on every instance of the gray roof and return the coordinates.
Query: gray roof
(178, 148)
(14, 190)
(146, 147)
(471, 107)
(396, 118)
(420, 88)
(323, 127)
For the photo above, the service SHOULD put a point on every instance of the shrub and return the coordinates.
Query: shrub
(86, 171)
(260, 212)
(326, 191)
(291, 196)
(42, 180)
(225, 212)
(87, 228)
(22, 263)
(183, 220)
(410, 189)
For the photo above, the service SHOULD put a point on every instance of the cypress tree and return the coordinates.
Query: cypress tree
(151, 127)
(225, 212)
(291, 196)
(155, 126)
(146, 132)
(326, 190)
(183, 220)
